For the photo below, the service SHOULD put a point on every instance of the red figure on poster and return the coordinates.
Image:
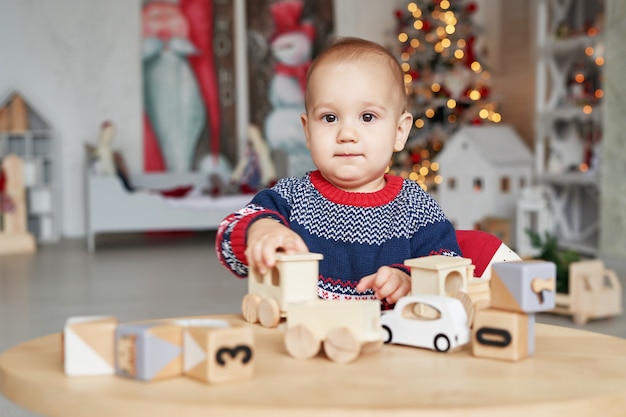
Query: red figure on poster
(181, 94)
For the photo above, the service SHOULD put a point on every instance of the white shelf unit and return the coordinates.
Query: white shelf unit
(37, 148)
(569, 117)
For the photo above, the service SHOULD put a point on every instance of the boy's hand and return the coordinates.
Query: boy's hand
(265, 238)
(388, 283)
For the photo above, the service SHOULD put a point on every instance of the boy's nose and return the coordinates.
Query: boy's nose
(346, 134)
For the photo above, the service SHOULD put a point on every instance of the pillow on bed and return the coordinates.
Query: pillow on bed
(177, 192)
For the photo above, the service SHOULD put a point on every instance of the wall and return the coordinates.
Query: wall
(612, 167)
(77, 63)
(369, 19)
(508, 39)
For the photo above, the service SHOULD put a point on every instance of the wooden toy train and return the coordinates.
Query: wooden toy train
(343, 329)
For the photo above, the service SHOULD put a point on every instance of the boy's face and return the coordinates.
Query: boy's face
(354, 122)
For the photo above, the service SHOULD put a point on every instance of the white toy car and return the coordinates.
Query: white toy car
(429, 321)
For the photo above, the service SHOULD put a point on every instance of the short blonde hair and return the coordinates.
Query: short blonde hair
(353, 49)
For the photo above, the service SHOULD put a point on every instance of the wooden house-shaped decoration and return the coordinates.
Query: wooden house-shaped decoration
(24, 132)
(483, 169)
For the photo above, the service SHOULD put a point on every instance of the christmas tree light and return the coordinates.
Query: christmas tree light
(446, 83)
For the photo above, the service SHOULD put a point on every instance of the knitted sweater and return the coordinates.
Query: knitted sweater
(356, 232)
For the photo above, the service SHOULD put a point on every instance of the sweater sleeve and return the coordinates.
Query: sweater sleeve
(439, 239)
(435, 234)
(230, 241)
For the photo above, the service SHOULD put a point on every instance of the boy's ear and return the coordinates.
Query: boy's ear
(305, 120)
(402, 133)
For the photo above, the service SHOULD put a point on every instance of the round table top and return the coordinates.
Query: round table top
(573, 373)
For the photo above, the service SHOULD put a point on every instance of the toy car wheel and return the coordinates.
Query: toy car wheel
(442, 343)
(250, 308)
(269, 312)
(387, 331)
(342, 345)
(301, 342)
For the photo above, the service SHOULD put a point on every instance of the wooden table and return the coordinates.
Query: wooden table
(573, 373)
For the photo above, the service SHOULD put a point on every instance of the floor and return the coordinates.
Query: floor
(137, 277)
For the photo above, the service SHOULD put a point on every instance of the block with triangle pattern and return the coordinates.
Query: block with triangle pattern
(523, 286)
(217, 351)
(89, 345)
(149, 351)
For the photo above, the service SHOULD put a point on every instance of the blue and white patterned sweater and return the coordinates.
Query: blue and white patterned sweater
(356, 232)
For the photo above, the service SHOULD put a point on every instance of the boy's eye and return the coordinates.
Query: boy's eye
(329, 118)
(368, 117)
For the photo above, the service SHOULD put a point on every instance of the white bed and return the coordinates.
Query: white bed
(110, 208)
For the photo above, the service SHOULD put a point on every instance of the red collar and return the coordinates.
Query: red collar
(378, 198)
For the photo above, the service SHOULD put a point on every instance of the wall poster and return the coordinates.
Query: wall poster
(283, 37)
(188, 83)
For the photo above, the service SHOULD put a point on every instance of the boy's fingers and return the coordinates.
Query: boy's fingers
(386, 290)
(292, 246)
(403, 289)
(269, 256)
(301, 246)
(382, 277)
(365, 283)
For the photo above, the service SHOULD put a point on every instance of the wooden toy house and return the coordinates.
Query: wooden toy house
(14, 236)
(439, 274)
(484, 169)
(26, 133)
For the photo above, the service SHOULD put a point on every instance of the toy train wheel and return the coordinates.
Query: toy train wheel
(269, 312)
(250, 308)
(301, 342)
(342, 345)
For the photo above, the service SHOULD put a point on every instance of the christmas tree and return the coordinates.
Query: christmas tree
(446, 82)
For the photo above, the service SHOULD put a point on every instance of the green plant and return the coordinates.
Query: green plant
(549, 251)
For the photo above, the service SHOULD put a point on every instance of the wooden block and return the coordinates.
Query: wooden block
(439, 275)
(215, 351)
(505, 335)
(480, 293)
(149, 351)
(524, 286)
(88, 345)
